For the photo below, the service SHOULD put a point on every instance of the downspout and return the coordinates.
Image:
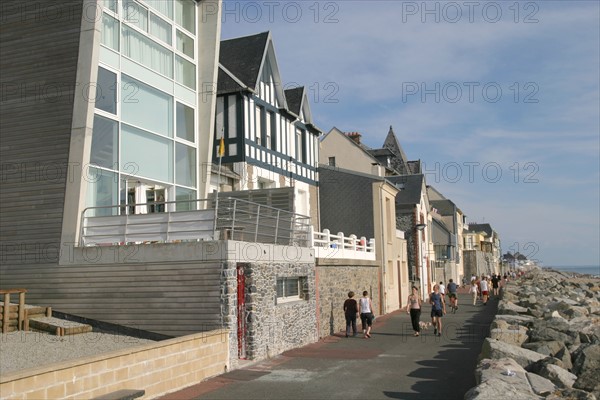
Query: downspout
(383, 244)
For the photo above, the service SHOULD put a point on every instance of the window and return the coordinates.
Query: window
(299, 146)
(181, 195)
(150, 155)
(273, 130)
(332, 161)
(165, 7)
(184, 44)
(146, 107)
(258, 124)
(185, 14)
(106, 91)
(185, 72)
(147, 52)
(268, 126)
(102, 191)
(292, 288)
(185, 122)
(160, 29)
(110, 4)
(135, 14)
(110, 32)
(185, 165)
(104, 142)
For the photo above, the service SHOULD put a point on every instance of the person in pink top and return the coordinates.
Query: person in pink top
(413, 307)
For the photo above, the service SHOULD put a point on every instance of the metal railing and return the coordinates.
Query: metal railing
(192, 220)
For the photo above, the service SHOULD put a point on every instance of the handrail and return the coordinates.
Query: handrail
(233, 220)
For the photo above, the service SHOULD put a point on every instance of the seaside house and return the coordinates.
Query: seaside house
(481, 250)
(454, 220)
(270, 139)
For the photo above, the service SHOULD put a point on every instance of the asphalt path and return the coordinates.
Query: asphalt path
(393, 364)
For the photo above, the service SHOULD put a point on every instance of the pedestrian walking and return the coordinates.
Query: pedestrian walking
(366, 314)
(438, 309)
(452, 289)
(350, 312)
(413, 307)
(484, 287)
(474, 291)
(495, 284)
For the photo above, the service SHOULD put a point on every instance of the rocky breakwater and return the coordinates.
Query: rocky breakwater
(544, 341)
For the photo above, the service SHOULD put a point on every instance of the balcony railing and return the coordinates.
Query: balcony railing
(193, 220)
(327, 245)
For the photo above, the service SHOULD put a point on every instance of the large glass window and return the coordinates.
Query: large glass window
(106, 91)
(165, 7)
(185, 165)
(182, 194)
(147, 52)
(185, 122)
(104, 143)
(185, 14)
(110, 32)
(185, 72)
(102, 191)
(160, 29)
(110, 4)
(151, 155)
(146, 107)
(185, 44)
(135, 14)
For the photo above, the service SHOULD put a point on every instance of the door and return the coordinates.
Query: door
(241, 311)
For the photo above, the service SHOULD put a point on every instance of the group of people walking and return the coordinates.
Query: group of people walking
(363, 309)
(437, 300)
(481, 287)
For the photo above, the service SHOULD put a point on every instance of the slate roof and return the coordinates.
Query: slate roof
(444, 207)
(391, 142)
(487, 228)
(226, 84)
(294, 99)
(411, 192)
(243, 57)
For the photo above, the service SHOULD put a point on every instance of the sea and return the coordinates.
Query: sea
(581, 269)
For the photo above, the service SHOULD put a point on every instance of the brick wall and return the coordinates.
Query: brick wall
(158, 368)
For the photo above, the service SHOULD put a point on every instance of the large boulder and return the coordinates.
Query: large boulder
(586, 365)
(557, 329)
(559, 376)
(496, 349)
(512, 334)
(515, 319)
(507, 307)
(571, 394)
(547, 348)
(540, 385)
(495, 389)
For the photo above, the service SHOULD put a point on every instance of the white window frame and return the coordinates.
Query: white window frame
(296, 297)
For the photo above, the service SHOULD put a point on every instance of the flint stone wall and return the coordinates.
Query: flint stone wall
(334, 282)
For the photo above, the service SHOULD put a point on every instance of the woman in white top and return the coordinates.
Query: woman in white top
(484, 287)
(365, 307)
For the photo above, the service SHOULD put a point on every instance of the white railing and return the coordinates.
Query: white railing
(327, 245)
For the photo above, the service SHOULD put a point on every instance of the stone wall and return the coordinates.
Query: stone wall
(272, 327)
(334, 281)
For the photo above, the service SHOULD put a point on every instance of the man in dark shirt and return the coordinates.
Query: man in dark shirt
(495, 284)
(350, 312)
(452, 288)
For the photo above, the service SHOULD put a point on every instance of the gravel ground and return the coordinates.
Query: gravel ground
(22, 350)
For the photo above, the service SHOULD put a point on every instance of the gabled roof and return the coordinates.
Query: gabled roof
(391, 143)
(294, 99)
(243, 57)
(444, 207)
(411, 188)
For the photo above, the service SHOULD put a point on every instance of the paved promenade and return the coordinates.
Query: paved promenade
(391, 365)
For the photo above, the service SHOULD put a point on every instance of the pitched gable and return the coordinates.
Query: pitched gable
(243, 57)
(399, 161)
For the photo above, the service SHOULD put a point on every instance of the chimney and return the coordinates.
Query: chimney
(354, 136)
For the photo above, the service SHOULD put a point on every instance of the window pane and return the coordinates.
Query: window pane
(135, 14)
(291, 287)
(146, 107)
(147, 52)
(104, 143)
(149, 155)
(106, 91)
(165, 7)
(280, 287)
(185, 44)
(160, 29)
(110, 4)
(185, 14)
(110, 32)
(185, 165)
(185, 122)
(183, 194)
(185, 72)
(101, 191)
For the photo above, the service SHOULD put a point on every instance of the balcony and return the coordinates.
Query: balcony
(229, 219)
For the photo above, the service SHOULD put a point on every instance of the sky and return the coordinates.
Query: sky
(499, 100)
